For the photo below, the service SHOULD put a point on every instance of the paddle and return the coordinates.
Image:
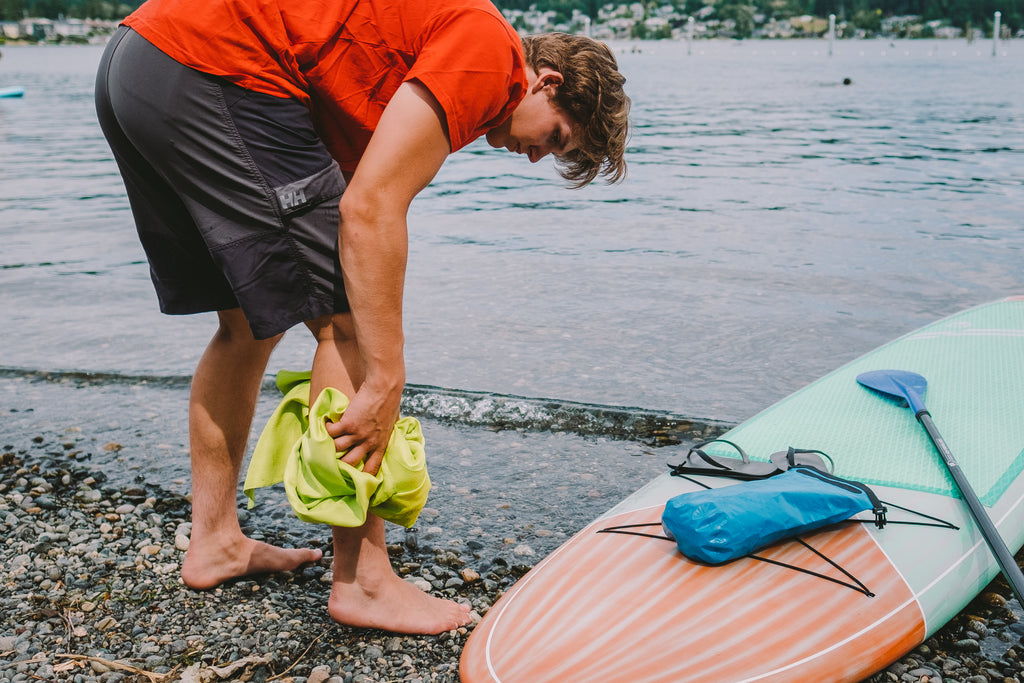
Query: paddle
(910, 387)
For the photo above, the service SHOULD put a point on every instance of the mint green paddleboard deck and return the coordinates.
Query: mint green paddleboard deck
(571, 614)
(974, 364)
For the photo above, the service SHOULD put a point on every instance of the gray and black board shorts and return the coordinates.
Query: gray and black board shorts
(234, 195)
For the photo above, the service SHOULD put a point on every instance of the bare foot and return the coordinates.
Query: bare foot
(208, 565)
(394, 605)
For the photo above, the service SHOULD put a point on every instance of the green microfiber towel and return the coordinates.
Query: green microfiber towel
(295, 448)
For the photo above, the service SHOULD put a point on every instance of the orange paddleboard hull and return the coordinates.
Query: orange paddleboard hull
(614, 607)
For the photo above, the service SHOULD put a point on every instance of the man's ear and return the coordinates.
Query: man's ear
(546, 76)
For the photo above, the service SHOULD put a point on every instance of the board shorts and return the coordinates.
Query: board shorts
(234, 195)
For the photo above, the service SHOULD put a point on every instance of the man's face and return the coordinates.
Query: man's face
(537, 127)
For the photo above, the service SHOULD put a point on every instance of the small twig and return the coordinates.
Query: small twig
(65, 617)
(35, 660)
(150, 675)
(299, 658)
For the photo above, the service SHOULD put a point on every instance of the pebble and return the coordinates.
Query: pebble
(319, 674)
(967, 645)
(420, 583)
(95, 574)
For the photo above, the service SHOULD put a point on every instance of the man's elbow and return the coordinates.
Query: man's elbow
(358, 207)
(370, 216)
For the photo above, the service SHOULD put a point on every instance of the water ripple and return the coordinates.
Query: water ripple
(462, 407)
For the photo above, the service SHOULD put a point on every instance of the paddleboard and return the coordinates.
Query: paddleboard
(12, 91)
(622, 608)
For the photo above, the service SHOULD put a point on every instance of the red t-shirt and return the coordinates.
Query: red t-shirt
(346, 58)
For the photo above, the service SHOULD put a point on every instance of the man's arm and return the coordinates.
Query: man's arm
(405, 152)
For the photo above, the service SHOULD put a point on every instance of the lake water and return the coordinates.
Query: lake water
(775, 224)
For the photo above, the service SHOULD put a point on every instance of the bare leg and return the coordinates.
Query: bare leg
(225, 388)
(366, 591)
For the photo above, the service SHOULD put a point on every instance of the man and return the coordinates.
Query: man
(270, 151)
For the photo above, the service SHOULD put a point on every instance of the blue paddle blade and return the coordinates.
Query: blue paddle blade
(899, 384)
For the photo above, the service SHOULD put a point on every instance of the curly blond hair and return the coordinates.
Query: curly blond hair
(593, 96)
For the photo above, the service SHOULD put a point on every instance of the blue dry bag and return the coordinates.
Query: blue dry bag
(723, 524)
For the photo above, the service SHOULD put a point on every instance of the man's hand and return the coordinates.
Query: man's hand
(364, 430)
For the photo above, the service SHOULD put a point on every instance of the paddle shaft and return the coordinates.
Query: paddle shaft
(995, 542)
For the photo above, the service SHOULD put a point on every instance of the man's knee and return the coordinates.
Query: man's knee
(234, 328)
(338, 327)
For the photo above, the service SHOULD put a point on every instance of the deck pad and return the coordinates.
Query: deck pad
(973, 362)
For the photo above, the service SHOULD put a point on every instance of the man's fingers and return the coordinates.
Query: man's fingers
(373, 462)
(343, 443)
(334, 429)
(354, 456)
(360, 440)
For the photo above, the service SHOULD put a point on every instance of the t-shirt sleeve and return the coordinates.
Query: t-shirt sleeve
(472, 62)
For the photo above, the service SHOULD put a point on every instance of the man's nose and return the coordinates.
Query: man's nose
(536, 153)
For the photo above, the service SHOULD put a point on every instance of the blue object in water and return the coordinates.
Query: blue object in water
(12, 91)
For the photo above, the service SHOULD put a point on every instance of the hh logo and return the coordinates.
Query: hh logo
(291, 198)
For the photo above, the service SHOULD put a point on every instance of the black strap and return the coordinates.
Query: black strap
(935, 521)
(623, 530)
(792, 452)
(878, 509)
(696, 449)
(704, 456)
(853, 486)
(854, 582)
(859, 587)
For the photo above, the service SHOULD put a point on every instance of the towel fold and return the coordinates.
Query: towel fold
(295, 448)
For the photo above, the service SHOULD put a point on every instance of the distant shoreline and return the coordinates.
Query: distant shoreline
(101, 40)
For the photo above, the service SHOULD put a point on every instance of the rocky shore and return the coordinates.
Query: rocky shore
(91, 592)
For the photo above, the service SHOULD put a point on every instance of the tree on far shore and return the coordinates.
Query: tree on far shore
(862, 13)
